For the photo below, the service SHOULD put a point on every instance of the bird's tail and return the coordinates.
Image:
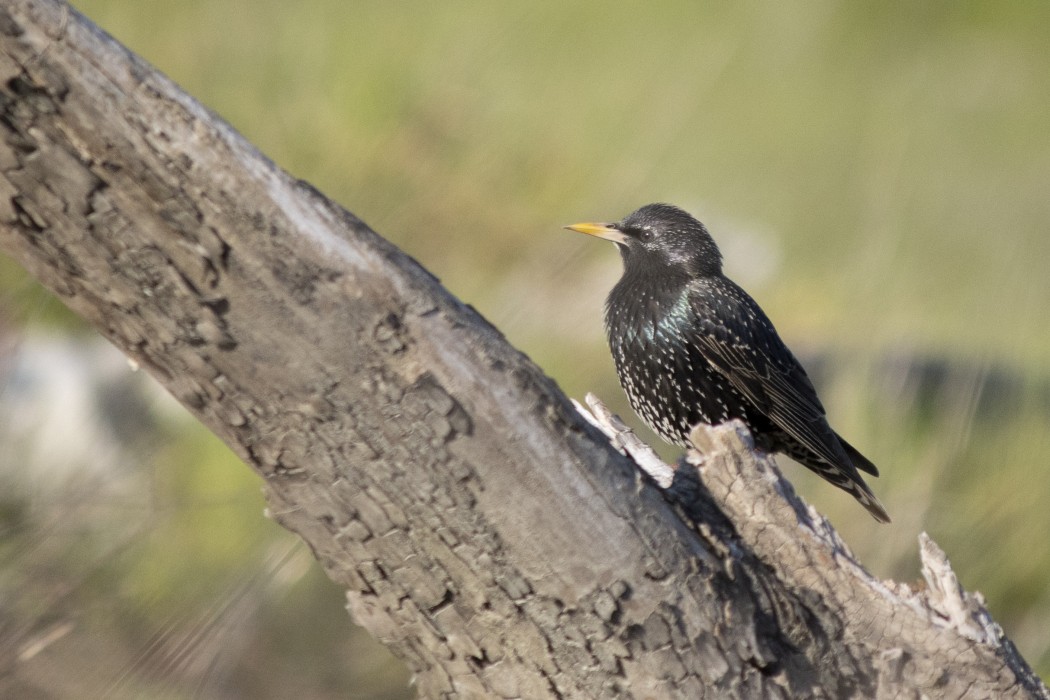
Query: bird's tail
(858, 488)
(850, 480)
(867, 499)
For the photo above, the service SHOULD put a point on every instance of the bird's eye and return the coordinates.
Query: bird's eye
(645, 235)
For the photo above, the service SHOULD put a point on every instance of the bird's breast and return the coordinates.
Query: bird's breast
(662, 368)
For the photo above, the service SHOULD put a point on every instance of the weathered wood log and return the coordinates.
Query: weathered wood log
(481, 528)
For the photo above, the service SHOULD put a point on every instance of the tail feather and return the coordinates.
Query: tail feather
(867, 499)
(845, 475)
(850, 480)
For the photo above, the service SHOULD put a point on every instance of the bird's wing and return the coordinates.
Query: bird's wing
(740, 342)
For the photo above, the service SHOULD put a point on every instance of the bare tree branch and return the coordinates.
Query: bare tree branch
(482, 529)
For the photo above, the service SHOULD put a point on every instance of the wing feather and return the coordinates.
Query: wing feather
(741, 343)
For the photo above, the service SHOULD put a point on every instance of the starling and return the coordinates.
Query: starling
(690, 346)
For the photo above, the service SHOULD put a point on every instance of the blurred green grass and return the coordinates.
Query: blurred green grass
(877, 174)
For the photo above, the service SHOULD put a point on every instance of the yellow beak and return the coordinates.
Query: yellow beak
(601, 231)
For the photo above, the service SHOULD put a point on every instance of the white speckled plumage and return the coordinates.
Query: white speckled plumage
(690, 346)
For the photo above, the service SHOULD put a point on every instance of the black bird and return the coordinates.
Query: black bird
(690, 346)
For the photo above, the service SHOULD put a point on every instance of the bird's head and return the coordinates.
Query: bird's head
(660, 236)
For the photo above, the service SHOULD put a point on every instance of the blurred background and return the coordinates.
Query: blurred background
(876, 174)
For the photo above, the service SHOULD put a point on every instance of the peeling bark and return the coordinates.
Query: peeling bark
(482, 529)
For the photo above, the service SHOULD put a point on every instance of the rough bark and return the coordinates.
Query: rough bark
(482, 529)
